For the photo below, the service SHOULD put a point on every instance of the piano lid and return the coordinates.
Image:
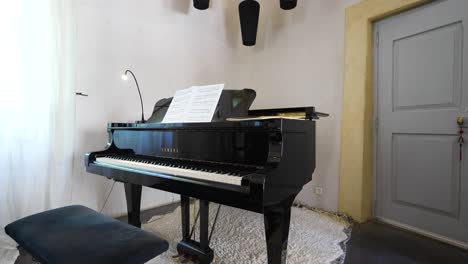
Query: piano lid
(272, 124)
(234, 105)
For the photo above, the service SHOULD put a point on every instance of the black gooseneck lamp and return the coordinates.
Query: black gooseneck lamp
(125, 78)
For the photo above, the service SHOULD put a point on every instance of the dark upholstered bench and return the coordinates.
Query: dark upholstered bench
(77, 234)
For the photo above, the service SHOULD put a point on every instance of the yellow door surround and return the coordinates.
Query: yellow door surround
(356, 175)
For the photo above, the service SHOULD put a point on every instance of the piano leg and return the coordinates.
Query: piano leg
(133, 197)
(185, 210)
(276, 220)
(204, 219)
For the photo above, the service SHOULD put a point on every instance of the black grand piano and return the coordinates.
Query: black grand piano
(257, 161)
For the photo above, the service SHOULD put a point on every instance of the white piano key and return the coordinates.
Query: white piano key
(187, 173)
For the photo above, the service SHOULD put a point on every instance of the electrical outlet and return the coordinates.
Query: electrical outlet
(318, 190)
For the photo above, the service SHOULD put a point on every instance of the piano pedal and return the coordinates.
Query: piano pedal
(194, 259)
(185, 259)
(191, 251)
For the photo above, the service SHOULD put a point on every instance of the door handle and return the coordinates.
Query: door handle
(81, 94)
(461, 122)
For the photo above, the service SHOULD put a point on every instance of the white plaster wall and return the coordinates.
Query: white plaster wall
(298, 61)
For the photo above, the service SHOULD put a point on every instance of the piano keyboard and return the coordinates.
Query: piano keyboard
(171, 169)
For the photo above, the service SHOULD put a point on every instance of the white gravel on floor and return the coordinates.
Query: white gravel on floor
(239, 238)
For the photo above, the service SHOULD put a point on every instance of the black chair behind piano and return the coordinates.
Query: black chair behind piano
(256, 164)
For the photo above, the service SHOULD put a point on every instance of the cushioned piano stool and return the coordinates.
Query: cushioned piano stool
(77, 234)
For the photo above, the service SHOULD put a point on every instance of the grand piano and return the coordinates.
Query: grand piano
(257, 160)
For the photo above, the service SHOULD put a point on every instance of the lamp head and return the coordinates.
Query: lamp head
(124, 77)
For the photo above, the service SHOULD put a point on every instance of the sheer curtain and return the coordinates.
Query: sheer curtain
(36, 108)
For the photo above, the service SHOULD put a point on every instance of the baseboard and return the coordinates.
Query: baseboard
(176, 201)
(425, 233)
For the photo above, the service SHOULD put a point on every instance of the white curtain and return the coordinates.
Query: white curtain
(36, 108)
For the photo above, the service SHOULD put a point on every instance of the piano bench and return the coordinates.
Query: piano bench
(77, 234)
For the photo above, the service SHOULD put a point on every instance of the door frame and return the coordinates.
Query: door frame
(357, 137)
(375, 142)
(375, 83)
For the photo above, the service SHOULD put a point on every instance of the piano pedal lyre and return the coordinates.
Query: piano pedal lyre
(195, 251)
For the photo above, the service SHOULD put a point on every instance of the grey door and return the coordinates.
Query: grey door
(422, 87)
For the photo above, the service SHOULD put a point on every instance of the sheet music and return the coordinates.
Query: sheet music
(195, 104)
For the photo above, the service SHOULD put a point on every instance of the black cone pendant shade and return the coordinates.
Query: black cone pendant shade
(288, 4)
(249, 12)
(201, 4)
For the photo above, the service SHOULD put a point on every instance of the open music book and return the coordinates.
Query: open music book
(195, 104)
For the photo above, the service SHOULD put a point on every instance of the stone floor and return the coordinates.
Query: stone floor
(375, 242)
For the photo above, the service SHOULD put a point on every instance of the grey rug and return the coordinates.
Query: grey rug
(314, 237)
(8, 256)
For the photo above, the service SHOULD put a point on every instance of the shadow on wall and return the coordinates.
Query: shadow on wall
(181, 6)
(81, 183)
(231, 24)
(278, 19)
